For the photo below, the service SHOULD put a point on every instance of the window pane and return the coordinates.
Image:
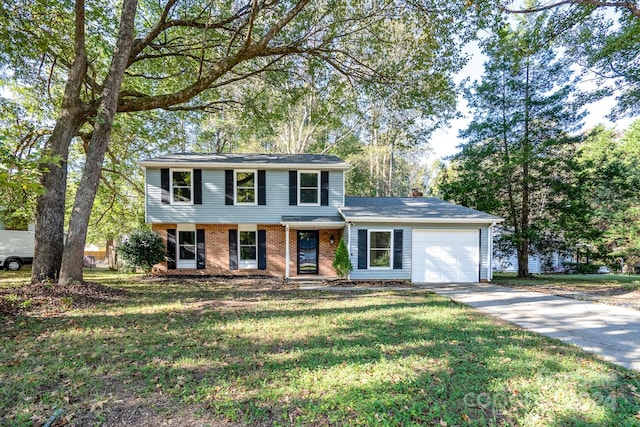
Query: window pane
(187, 252)
(182, 178)
(187, 238)
(309, 180)
(181, 194)
(248, 238)
(247, 253)
(245, 179)
(380, 240)
(308, 195)
(380, 258)
(246, 195)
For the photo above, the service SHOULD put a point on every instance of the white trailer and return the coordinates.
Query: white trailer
(16, 249)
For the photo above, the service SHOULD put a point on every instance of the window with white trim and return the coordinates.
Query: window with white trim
(308, 188)
(245, 187)
(380, 244)
(181, 186)
(247, 247)
(186, 247)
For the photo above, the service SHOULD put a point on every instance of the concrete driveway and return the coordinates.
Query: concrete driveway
(612, 332)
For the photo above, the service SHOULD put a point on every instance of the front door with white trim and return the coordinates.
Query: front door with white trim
(308, 251)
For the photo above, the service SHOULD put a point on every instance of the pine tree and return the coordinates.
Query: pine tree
(516, 145)
(341, 262)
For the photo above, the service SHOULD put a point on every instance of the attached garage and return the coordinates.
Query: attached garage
(421, 239)
(445, 256)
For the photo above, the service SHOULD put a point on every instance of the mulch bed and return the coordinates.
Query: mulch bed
(45, 299)
(240, 283)
(369, 283)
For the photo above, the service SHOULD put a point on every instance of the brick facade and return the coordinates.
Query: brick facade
(217, 251)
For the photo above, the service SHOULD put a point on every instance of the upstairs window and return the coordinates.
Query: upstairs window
(245, 187)
(309, 188)
(181, 186)
(380, 249)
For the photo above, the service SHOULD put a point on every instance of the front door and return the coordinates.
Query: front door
(308, 252)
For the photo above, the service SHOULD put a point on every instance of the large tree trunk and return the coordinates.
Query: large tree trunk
(71, 270)
(525, 218)
(49, 235)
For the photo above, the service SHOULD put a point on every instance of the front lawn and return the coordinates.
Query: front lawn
(203, 353)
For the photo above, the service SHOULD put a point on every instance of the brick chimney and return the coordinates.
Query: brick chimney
(414, 193)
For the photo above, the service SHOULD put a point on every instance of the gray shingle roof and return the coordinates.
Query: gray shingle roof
(311, 160)
(420, 209)
(302, 218)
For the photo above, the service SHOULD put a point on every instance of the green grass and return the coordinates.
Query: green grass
(197, 351)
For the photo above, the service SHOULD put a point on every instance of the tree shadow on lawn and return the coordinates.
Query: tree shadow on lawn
(395, 358)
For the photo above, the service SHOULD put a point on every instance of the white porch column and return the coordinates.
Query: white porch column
(286, 252)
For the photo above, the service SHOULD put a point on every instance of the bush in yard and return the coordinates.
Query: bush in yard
(142, 249)
(341, 262)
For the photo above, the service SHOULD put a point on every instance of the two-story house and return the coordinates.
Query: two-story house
(283, 215)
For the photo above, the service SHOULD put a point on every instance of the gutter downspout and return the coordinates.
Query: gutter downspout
(490, 252)
(349, 244)
(146, 201)
(286, 253)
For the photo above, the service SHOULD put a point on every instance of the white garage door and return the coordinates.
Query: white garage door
(445, 256)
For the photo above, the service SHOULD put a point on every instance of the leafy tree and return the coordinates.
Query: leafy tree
(142, 249)
(602, 37)
(513, 161)
(194, 55)
(607, 173)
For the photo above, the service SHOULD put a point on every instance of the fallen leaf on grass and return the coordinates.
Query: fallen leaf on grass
(443, 423)
(98, 405)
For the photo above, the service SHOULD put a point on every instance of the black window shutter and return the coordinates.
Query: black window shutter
(293, 188)
(171, 248)
(262, 249)
(200, 251)
(397, 249)
(197, 186)
(228, 187)
(262, 188)
(233, 249)
(164, 184)
(362, 249)
(324, 188)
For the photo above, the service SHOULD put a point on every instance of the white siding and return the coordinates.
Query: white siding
(214, 210)
(386, 274)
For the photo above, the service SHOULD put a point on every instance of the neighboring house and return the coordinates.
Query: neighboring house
(283, 215)
(506, 260)
(551, 263)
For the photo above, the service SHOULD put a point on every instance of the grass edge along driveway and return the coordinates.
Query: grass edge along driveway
(207, 354)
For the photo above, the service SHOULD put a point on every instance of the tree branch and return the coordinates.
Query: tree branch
(630, 6)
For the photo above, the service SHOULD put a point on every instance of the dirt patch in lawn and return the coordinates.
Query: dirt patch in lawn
(124, 410)
(619, 295)
(46, 299)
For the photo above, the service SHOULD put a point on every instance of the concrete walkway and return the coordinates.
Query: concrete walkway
(612, 332)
